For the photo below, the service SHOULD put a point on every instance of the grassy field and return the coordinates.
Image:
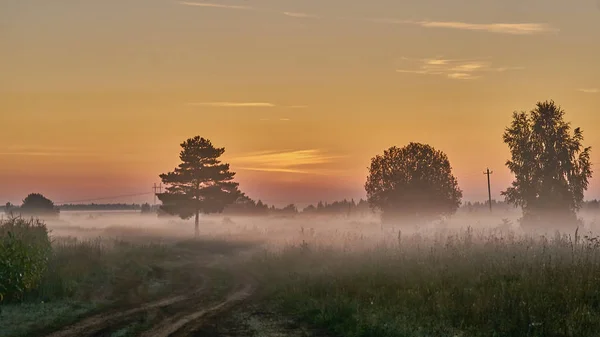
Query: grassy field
(89, 276)
(462, 284)
(427, 283)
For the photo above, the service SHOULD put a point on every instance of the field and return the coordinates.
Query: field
(124, 274)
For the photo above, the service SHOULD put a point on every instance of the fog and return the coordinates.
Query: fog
(280, 231)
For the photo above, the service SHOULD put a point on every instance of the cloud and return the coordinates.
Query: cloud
(452, 69)
(503, 28)
(502, 69)
(235, 104)
(462, 76)
(468, 67)
(500, 28)
(266, 169)
(248, 8)
(298, 161)
(590, 90)
(44, 151)
(300, 15)
(280, 119)
(245, 105)
(420, 72)
(204, 4)
(437, 62)
(39, 154)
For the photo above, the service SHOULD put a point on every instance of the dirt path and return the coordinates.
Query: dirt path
(185, 324)
(174, 315)
(96, 323)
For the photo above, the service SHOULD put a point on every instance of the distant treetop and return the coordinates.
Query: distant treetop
(37, 204)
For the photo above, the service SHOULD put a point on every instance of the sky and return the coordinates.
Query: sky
(97, 95)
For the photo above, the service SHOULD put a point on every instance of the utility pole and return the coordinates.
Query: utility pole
(154, 188)
(487, 172)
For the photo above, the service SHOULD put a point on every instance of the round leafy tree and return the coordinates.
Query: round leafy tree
(37, 204)
(412, 184)
(550, 164)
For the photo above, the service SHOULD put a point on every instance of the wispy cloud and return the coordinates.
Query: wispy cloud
(234, 104)
(590, 90)
(245, 105)
(39, 154)
(299, 161)
(462, 76)
(452, 69)
(501, 28)
(420, 72)
(213, 5)
(283, 170)
(300, 15)
(437, 62)
(469, 67)
(280, 119)
(44, 151)
(248, 8)
(504, 28)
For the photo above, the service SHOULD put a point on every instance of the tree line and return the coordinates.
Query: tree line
(245, 206)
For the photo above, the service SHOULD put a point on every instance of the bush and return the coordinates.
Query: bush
(25, 250)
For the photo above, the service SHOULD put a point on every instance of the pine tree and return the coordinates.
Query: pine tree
(200, 184)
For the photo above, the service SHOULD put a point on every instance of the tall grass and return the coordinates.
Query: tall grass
(101, 270)
(61, 280)
(34, 268)
(24, 254)
(461, 284)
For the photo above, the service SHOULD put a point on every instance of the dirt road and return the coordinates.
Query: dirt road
(217, 287)
(217, 300)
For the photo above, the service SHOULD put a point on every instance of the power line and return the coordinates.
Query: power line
(104, 198)
(154, 188)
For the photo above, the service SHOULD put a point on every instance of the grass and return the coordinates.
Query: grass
(463, 284)
(121, 270)
(98, 270)
(87, 276)
(24, 319)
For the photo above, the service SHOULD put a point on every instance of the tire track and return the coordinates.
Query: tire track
(98, 322)
(185, 324)
(183, 312)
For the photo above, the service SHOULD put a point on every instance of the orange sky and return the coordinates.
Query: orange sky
(95, 96)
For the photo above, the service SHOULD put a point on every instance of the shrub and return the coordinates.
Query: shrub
(25, 250)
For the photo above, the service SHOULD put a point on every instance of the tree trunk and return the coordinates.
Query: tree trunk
(196, 229)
